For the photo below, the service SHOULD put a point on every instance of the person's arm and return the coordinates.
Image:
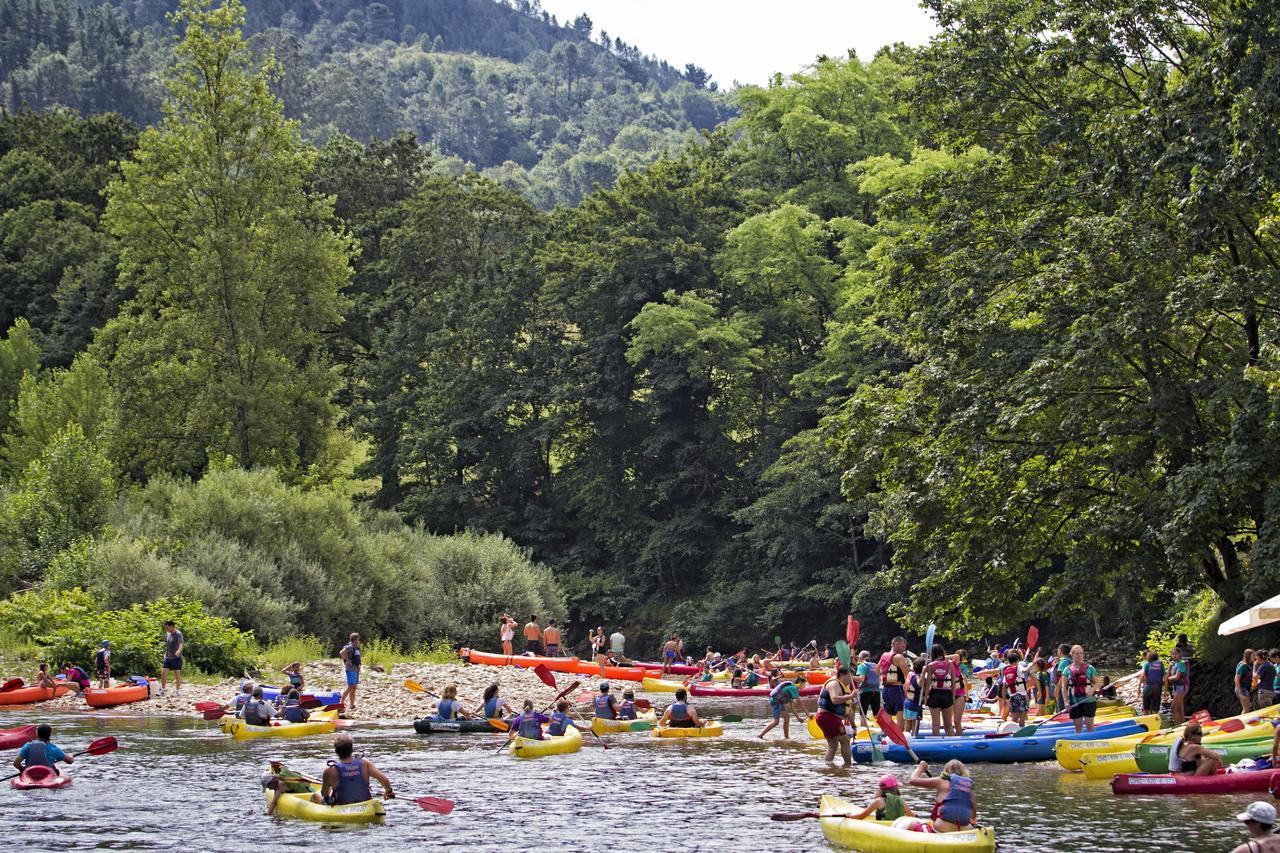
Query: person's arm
(65, 757)
(666, 717)
(877, 803)
(328, 781)
(693, 715)
(22, 754)
(921, 779)
(182, 643)
(345, 655)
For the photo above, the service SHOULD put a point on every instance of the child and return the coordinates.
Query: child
(627, 711)
(448, 708)
(528, 723)
(1044, 703)
(1106, 691)
(954, 802)
(294, 671)
(44, 679)
(1013, 678)
(706, 672)
(753, 677)
(911, 706)
(102, 663)
(560, 720)
(888, 804)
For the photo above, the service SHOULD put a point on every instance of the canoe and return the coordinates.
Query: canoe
(429, 726)
(40, 777)
(657, 685)
(121, 694)
(301, 806)
(333, 697)
(574, 665)
(1154, 757)
(1107, 765)
(676, 668)
(570, 741)
(14, 738)
(880, 836)
(1220, 783)
(702, 690)
(642, 723)
(28, 695)
(321, 723)
(999, 750)
(711, 729)
(1256, 725)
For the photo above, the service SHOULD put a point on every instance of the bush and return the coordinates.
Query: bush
(39, 613)
(280, 654)
(1195, 614)
(211, 643)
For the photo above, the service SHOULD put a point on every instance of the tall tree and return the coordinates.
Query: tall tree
(237, 270)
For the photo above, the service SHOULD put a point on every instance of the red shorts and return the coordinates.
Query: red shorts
(831, 725)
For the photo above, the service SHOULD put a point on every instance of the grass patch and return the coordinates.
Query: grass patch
(18, 647)
(436, 651)
(384, 653)
(279, 655)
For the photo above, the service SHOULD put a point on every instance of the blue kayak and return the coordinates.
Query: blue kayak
(1005, 750)
(271, 694)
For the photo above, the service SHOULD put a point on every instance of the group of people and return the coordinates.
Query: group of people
(1256, 680)
(252, 706)
(77, 678)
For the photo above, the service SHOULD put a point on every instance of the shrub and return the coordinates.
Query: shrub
(1195, 614)
(284, 652)
(39, 613)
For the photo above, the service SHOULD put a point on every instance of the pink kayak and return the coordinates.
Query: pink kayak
(702, 690)
(40, 777)
(1181, 783)
(12, 738)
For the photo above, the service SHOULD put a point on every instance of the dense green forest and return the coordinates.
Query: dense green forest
(545, 108)
(979, 333)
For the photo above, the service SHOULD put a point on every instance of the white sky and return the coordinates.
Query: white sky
(748, 40)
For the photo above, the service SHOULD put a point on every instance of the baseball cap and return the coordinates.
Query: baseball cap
(888, 781)
(106, 644)
(1259, 812)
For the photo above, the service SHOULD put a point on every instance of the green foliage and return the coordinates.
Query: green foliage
(47, 403)
(211, 643)
(281, 653)
(19, 358)
(37, 614)
(1195, 613)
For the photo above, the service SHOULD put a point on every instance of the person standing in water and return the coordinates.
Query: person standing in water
(893, 676)
(835, 704)
(1081, 690)
(1179, 685)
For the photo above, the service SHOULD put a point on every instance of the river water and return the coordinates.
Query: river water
(179, 783)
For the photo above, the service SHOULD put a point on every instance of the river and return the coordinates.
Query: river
(180, 783)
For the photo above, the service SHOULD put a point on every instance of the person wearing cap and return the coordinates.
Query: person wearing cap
(102, 663)
(237, 704)
(1260, 820)
(627, 711)
(282, 780)
(605, 706)
(888, 804)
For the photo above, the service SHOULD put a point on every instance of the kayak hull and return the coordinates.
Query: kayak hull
(657, 685)
(1221, 783)
(573, 665)
(429, 726)
(301, 806)
(240, 730)
(570, 741)
(30, 695)
(1154, 757)
(711, 729)
(34, 778)
(333, 697)
(1107, 765)
(701, 690)
(880, 836)
(642, 723)
(121, 694)
(14, 738)
(1005, 750)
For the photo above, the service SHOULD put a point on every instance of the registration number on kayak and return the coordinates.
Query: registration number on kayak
(1152, 780)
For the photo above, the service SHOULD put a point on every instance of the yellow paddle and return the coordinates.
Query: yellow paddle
(414, 687)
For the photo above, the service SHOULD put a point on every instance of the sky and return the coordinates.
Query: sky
(748, 40)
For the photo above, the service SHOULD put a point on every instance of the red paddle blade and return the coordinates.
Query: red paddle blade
(890, 727)
(1231, 726)
(1033, 637)
(643, 704)
(102, 746)
(435, 804)
(545, 674)
(214, 714)
(851, 630)
(1202, 716)
(11, 684)
(207, 706)
(309, 703)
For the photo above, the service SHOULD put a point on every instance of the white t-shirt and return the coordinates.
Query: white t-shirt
(617, 642)
(508, 633)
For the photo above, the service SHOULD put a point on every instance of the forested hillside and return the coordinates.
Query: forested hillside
(546, 108)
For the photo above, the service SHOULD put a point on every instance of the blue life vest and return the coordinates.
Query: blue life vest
(871, 683)
(604, 707)
(529, 725)
(825, 704)
(1155, 675)
(447, 709)
(627, 711)
(241, 700)
(353, 654)
(957, 805)
(100, 660)
(295, 679)
(559, 723)
(293, 712)
(679, 712)
(492, 707)
(253, 714)
(353, 785)
(37, 755)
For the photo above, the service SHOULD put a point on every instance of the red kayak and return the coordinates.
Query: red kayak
(40, 777)
(14, 738)
(701, 690)
(27, 695)
(1181, 783)
(581, 667)
(121, 694)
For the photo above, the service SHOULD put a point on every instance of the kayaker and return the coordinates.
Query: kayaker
(44, 679)
(680, 714)
(888, 804)
(669, 655)
(294, 673)
(533, 637)
(834, 711)
(76, 677)
(551, 639)
(867, 678)
(1014, 676)
(1243, 680)
(1106, 690)
(1266, 676)
(506, 633)
(350, 655)
(258, 711)
(237, 704)
(174, 644)
(752, 678)
(102, 663)
(1187, 756)
(912, 709)
(954, 806)
(783, 699)
(706, 674)
(448, 707)
(1152, 682)
(346, 780)
(494, 706)
(893, 676)
(528, 723)
(939, 689)
(1259, 819)
(560, 720)
(1179, 685)
(627, 710)
(40, 752)
(282, 780)
(605, 705)
(1081, 690)
(293, 712)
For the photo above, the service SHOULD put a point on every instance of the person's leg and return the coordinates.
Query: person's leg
(831, 750)
(177, 679)
(934, 720)
(768, 728)
(846, 752)
(786, 724)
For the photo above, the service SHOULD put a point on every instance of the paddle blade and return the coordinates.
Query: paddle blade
(889, 727)
(500, 725)
(731, 718)
(11, 684)
(793, 815)
(214, 714)
(545, 675)
(644, 704)
(435, 804)
(1033, 637)
(928, 639)
(777, 642)
(842, 652)
(1231, 726)
(102, 746)
(1202, 717)
(207, 706)
(413, 686)
(851, 630)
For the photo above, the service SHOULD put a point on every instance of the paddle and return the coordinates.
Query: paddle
(806, 815)
(550, 680)
(201, 707)
(1033, 637)
(414, 687)
(643, 704)
(439, 805)
(101, 746)
(851, 631)
(563, 693)
(891, 730)
(11, 684)
(545, 675)
(846, 660)
(731, 718)
(928, 640)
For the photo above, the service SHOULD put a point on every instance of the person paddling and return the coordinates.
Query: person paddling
(283, 781)
(41, 752)
(1260, 821)
(258, 711)
(888, 804)
(605, 705)
(1188, 757)
(627, 710)
(680, 714)
(494, 706)
(346, 780)
(834, 710)
(448, 707)
(528, 723)
(954, 805)
(560, 720)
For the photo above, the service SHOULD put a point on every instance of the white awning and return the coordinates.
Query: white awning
(1255, 617)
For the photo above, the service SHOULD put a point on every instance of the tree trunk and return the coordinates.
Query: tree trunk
(242, 432)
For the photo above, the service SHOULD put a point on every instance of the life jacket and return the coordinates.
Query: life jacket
(871, 680)
(603, 705)
(253, 713)
(679, 712)
(241, 700)
(893, 675)
(447, 709)
(1175, 760)
(893, 808)
(825, 703)
(1079, 680)
(295, 679)
(940, 674)
(353, 655)
(753, 678)
(1155, 674)
(775, 695)
(1013, 679)
(37, 755)
(559, 723)
(1180, 669)
(530, 726)
(957, 805)
(78, 675)
(353, 784)
(627, 711)
(100, 660)
(293, 712)
(913, 688)
(492, 707)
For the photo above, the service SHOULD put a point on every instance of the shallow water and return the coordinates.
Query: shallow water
(180, 783)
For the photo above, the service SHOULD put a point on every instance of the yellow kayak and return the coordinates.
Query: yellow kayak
(1106, 765)
(321, 723)
(642, 723)
(880, 836)
(301, 806)
(711, 729)
(1070, 753)
(570, 741)
(658, 685)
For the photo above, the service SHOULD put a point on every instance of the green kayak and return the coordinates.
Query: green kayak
(1154, 757)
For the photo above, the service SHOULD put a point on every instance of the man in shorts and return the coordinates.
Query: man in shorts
(351, 656)
(533, 636)
(893, 678)
(173, 647)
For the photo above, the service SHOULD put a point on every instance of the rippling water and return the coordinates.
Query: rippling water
(178, 783)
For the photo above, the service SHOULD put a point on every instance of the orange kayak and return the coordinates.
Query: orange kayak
(28, 695)
(119, 695)
(575, 665)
